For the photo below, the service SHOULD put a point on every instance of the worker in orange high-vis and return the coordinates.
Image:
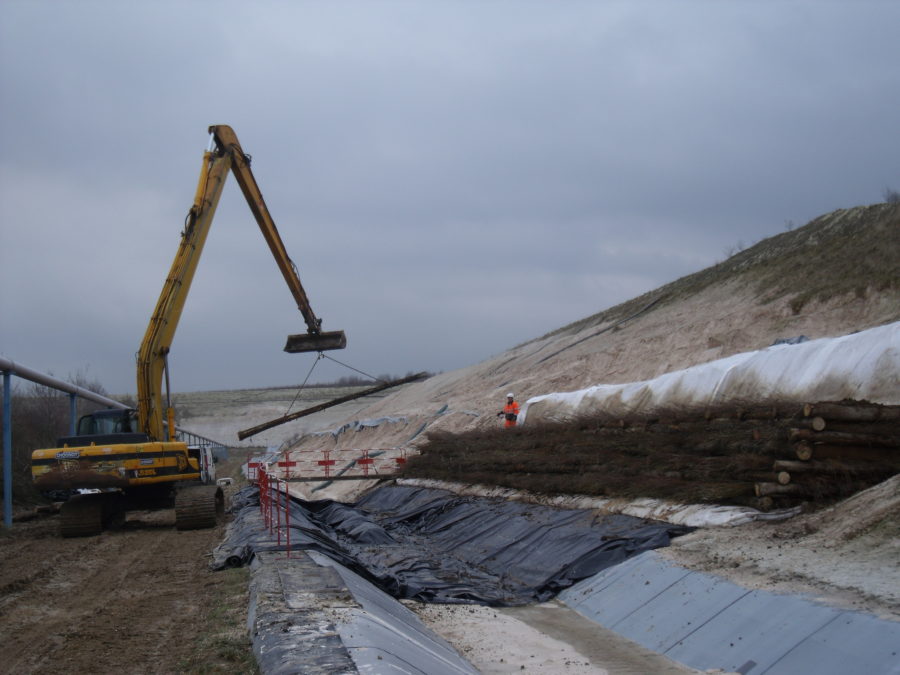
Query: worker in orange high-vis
(510, 411)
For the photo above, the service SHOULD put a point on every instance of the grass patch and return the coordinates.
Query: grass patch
(223, 645)
(848, 251)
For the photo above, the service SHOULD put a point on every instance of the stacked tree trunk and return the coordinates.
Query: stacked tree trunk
(837, 448)
(773, 455)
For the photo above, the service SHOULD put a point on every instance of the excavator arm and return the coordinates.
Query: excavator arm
(225, 154)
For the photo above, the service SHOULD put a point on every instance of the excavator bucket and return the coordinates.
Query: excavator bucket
(316, 342)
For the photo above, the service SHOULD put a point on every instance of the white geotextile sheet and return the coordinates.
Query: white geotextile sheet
(862, 366)
(692, 515)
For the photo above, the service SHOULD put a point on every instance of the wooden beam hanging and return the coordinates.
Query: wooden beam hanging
(252, 431)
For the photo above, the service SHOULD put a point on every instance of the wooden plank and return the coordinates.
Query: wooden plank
(252, 431)
(328, 479)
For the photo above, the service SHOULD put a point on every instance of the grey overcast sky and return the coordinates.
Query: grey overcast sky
(451, 178)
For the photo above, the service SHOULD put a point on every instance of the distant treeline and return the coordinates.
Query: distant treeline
(360, 381)
(40, 415)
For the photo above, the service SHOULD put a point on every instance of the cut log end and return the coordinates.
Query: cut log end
(804, 451)
(765, 503)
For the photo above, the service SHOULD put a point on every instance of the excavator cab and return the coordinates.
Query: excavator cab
(104, 427)
(108, 422)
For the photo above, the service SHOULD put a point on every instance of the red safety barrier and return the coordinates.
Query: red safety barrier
(365, 460)
(286, 464)
(327, 463)
(277, 509)
(253, 471)
(287, 518)
(274, 503)
(264, 496)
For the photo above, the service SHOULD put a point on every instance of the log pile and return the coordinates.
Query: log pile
(766, 456)
(836, 448)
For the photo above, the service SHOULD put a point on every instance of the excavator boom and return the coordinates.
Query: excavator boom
(315, 340)
(225, 155)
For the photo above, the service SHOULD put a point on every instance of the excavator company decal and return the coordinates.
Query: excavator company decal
(159, 471)
(118, 456)
(146, 461)
(67, 454)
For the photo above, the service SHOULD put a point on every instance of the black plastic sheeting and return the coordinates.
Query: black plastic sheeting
(435, 546)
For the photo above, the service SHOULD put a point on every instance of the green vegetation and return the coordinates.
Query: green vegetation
(849, 251)
(40, 415)
(223, 645)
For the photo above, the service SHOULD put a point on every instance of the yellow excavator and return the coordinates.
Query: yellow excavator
(129, 459)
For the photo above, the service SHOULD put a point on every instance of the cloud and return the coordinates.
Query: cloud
(450, 178)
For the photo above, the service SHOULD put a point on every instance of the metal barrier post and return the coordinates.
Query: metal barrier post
(287, 518)
(265, 497)
(269, 498)
(277, 513)
(262, 499)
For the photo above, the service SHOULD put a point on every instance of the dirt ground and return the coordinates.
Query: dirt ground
(137, 600)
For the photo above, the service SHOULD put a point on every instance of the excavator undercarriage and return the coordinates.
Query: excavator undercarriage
(88, 514)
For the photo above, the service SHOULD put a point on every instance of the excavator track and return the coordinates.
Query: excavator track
(199, 507)
(81, 516)
(89, 514)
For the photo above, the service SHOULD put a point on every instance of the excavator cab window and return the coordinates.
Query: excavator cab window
(107, 422)
(106, 426)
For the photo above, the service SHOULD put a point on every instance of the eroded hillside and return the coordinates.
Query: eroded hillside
(836, 275)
